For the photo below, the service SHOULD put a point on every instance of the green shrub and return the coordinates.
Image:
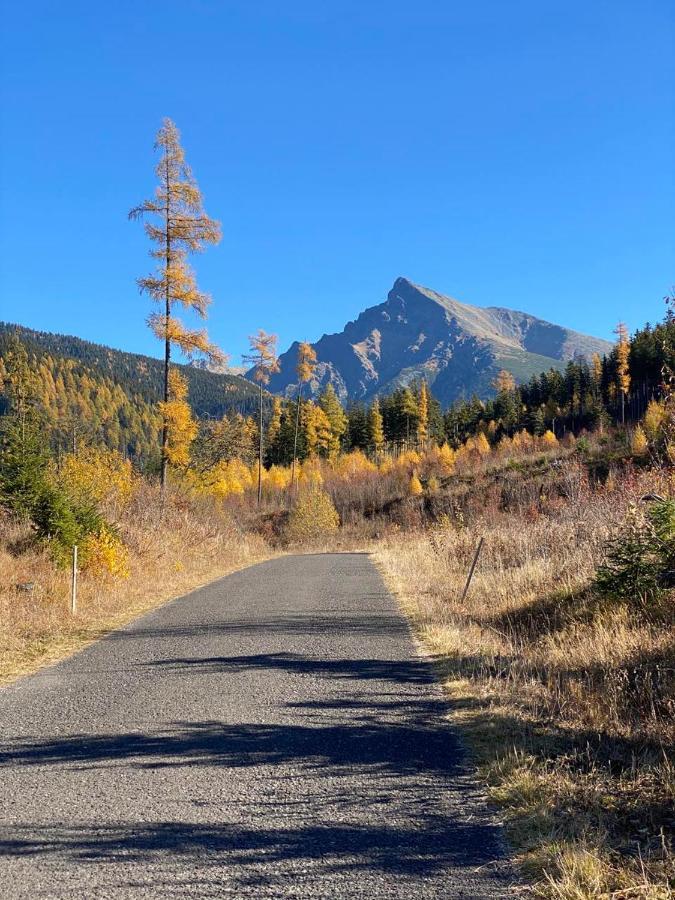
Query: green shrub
(64, 522)
(641, 556)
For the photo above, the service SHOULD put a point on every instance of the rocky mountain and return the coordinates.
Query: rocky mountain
(417, 333)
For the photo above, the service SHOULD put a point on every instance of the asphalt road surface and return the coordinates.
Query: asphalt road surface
(274, 734)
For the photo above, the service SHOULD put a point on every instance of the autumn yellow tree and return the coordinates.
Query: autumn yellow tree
(304, 368)
(504, 382)
(177, 226)
(263, 358)
(622, 372)
(376, 427)
(423, 414)
(330, 404)
(317, 429)
(274, 426)
(181, 428)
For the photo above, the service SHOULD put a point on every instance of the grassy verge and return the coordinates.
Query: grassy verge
(566, 701)
(173, 547)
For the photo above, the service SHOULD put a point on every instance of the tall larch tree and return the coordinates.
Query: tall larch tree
(504, 382)
(409, 409)
(177, 226)
(376, 427)
(622, 371)
(329, 403)
(263, 358)
(305, 369)
(423, 413)
(274, 426)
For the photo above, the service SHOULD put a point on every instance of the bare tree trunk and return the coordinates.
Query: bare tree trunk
(295, 440)
(260, 448)
(167, 342)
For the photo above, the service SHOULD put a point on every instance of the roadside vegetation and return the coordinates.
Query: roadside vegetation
(558, 656)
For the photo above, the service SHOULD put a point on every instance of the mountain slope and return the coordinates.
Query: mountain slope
(419, 333)
(211, 394)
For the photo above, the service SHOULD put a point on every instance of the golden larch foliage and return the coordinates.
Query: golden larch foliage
(622, 354)
(638, 441)
(415, 486)
(423, 413)
(181, 428)
(376, 427)
(306, 362)
(504, 382)
(654, 420)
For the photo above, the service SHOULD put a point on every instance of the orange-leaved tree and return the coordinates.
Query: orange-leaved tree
(178, 226)
(263, 358)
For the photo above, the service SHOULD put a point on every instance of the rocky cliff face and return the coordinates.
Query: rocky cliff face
(417, 333)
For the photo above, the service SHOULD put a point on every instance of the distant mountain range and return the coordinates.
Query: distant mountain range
(417, 333)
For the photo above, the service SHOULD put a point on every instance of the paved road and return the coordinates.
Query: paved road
(271, 735)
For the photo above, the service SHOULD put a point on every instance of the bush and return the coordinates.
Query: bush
(63, 522)
(103, 553)
(312, 516)
(640, 558)
(98, 475)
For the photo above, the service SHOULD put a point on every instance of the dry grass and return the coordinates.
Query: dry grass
(567, 701)
(173, 548)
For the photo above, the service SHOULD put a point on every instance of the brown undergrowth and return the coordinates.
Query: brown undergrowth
(173, 547)
(566, 699)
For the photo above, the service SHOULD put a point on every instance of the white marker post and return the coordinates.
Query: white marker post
(73, 593)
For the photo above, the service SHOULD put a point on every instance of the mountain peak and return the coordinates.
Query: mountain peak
(418, 333)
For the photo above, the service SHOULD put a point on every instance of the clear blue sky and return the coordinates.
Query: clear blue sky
(518, 154)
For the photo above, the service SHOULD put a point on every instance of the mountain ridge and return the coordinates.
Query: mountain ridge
(419, 333)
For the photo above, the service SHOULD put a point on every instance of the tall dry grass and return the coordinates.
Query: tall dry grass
(567, 699)
(173, 546)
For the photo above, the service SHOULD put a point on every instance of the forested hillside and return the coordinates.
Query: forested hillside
(211, 394)
(94, 394)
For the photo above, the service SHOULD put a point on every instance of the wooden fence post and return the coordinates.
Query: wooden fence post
(471, 570)
(73, 592)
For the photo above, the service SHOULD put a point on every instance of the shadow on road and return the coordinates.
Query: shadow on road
(385, 670)
(432, 846)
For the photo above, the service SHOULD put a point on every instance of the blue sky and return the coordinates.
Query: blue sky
(518, 154)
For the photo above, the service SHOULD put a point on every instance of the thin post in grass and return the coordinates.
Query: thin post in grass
(472, 570)
(73, 591)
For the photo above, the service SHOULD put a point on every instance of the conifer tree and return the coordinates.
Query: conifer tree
(304, 368)
(622, 371)
(181, 428)
(274, 426)
(24, 454)
(317, 430)
(408, 409)
(423, 414)
(178, 227)
(376, 427)
(504, 382)
(263, 358)
(332, 408)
